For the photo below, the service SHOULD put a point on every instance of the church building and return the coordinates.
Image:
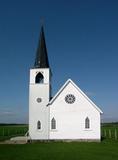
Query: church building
(69, 115)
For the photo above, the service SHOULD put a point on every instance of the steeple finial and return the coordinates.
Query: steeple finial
(42, 21)
(41, 60)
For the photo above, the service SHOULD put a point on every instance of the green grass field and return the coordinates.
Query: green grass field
(60, 151)
(105, 150)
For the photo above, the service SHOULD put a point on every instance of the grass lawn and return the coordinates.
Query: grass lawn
(106, 150)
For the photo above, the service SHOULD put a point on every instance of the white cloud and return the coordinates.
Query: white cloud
(8, 113)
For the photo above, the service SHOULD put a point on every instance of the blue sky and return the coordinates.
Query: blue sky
(82, 43)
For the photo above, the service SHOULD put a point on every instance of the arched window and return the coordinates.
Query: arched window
(39, 78)
(87, 123)
(53, 123)
(38, 125)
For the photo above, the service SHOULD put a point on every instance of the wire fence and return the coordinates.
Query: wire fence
(110, 134)
(8, 132)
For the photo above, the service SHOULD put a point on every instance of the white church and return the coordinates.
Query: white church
(70, 115)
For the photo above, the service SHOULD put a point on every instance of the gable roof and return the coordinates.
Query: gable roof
(63, 87)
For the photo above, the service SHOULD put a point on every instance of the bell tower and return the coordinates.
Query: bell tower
(39, 93)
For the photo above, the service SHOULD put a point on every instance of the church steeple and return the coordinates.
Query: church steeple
(41, 60)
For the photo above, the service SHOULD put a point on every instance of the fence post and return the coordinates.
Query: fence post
(3, 132)
(115, 134)
(105, 134)
(109, 133)
(24, 131)
(8, 132)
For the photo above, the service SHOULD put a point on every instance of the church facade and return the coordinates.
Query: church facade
(69, 115)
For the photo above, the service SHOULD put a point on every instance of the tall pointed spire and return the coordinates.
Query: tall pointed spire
(41, 60)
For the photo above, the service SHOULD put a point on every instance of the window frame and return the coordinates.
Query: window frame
(53, 124)
(39, 125)
(87, 123)
(39, 79)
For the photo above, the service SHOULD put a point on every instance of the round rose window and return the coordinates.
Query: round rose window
(39, 100)
(70, 98)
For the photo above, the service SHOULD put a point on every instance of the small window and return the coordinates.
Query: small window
(53, 123)
(38, 125)
(87, 123)
(39, 78)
